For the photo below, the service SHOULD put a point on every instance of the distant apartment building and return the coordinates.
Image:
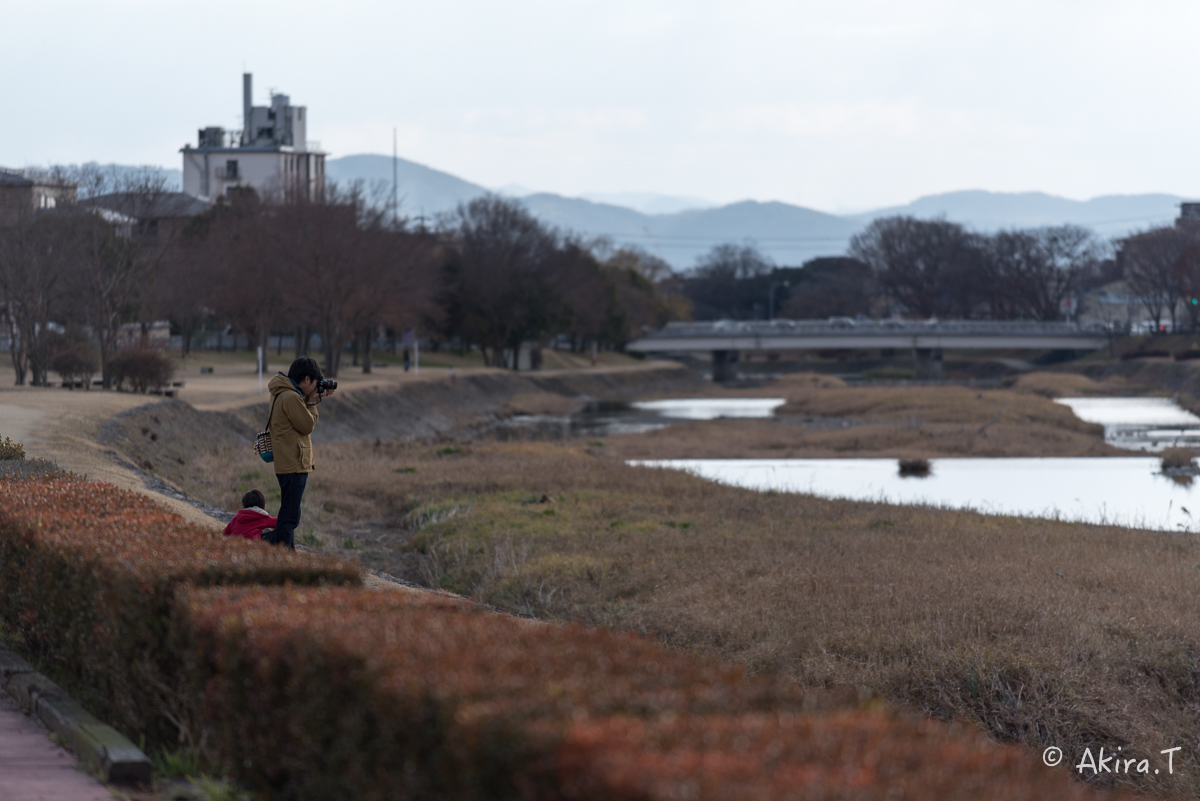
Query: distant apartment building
(270, 153)
(22, 193)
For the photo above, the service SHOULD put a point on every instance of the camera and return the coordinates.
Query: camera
(326, 384)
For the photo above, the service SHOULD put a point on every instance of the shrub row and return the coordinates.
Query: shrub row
(89, 574)
(333, 693)
(307, 690)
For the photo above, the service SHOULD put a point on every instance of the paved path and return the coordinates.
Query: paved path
(33, 768)
(18, 421)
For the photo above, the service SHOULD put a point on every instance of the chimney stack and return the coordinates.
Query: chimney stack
(247, 109)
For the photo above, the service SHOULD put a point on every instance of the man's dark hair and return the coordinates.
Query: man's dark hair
(253, 498)
(303, 368)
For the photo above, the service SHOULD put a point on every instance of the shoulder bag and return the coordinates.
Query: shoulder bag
(262, 443)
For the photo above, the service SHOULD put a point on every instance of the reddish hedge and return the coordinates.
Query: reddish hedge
(847, 754)
(329, 693)
(88, 575)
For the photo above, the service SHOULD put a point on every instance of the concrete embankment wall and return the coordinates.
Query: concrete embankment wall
(432, 408)
(164, 437)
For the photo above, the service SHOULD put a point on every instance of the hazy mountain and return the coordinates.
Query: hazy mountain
(1109, 215)
(423, 191)
(787, 233)
(515, 190)
(649, 202)
(790, 234)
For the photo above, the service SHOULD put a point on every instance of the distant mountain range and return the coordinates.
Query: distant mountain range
(681, 229)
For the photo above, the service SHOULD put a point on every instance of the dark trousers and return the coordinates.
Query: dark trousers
(291, 488)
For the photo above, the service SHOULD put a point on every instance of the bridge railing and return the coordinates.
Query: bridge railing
(890, 327)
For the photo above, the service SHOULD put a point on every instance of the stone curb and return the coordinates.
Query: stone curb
(101, 747)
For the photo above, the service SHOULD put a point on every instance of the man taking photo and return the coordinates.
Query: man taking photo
(294, 400)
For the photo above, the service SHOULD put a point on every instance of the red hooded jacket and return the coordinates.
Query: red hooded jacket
(249, 523)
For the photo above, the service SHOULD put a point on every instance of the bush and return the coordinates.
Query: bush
(10, 449)
(142, 369)
(426, 696)
(918, 468)
(1178, 459)
(88, 575)
(861, 755)
(76, 361)
(334, 693)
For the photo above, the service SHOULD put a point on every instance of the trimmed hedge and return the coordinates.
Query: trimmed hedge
(331, 693)
(869, 754)
(89, 574)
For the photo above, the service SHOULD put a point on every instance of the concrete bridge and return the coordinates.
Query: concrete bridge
(927, 339)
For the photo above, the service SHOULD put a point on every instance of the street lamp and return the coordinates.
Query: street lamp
(771, 298)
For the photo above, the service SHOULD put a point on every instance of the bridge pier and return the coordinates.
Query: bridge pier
(927, 364)
(724, 365)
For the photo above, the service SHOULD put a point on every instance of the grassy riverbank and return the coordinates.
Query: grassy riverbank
(1043, 632)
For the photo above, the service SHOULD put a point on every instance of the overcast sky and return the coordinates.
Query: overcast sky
(836, 106)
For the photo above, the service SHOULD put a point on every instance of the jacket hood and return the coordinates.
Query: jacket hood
(281, 383)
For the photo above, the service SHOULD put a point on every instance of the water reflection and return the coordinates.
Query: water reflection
(609, 419)
(1141, 424)
(711, 408)
(1126, 491)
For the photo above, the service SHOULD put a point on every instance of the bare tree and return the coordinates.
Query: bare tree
(1036, 274)
(498, 283)
(830, 287)
(730, 281)
(1187, 276)
(115, 230)
(929, 268)
(1148, 262)
(36, 259)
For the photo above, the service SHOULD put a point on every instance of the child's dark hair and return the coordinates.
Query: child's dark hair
(253, 498)
(303, 368)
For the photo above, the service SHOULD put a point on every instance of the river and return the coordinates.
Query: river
(1127, 491)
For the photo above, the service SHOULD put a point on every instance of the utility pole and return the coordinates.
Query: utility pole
(395, 182)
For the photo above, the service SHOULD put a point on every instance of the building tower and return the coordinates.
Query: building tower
(271, 154)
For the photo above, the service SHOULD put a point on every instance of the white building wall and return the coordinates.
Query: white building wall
(262, 170)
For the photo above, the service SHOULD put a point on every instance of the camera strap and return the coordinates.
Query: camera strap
(262, 443)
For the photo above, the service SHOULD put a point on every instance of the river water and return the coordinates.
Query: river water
(609, 419)
(1139, 424)
(1128, 491)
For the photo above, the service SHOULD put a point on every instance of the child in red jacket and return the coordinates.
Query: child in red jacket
(253, 521)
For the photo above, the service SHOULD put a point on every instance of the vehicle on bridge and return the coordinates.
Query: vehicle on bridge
(927, 338)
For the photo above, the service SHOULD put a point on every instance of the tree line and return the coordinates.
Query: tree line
(903, 266)
(124, 252)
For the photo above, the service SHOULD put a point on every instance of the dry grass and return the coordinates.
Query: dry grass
(942, 404)
(1044, 632)
(1061, 385)
(848, 437)
(543, 403)
(825, 418)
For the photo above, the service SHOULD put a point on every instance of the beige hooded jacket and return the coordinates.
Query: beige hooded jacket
(292, 423)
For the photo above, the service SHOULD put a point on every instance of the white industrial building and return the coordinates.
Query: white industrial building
(270, 154)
